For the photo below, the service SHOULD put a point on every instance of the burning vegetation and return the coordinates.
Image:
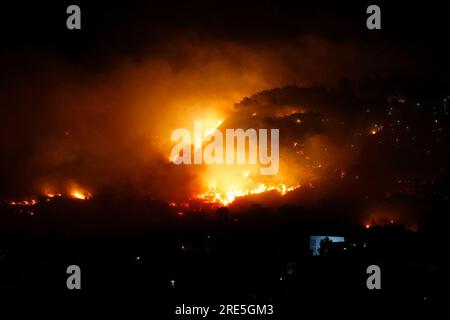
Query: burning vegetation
(74, 191)
(111, 131)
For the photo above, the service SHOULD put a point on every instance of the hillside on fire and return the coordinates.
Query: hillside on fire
(374, 150)
(279, 158)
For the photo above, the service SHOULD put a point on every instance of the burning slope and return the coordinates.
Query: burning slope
(109, 126)
(224, 199)
(306, 153)
(224, 183)
(225, 191)
(73, 191)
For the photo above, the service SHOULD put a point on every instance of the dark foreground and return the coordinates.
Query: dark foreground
(226, 260)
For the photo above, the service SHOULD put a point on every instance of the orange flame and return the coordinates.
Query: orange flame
(226, 198)
(31, 202)
(80, 194)
(235, 186)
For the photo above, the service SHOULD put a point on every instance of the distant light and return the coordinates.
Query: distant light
(367, 226)
(172, 283)
(138, 258)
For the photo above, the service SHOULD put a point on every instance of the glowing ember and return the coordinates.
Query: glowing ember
(74, 192)
(376, 129)
(53, 195)
(31, 202)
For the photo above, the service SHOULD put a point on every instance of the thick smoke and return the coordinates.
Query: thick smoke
(108, 127)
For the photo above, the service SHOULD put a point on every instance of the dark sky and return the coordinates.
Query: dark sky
(128, 27)
(111, 31)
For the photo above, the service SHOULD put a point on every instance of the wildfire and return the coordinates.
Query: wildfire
(74, 192)
(80, 194)
(226, 198)
(209, 130)
(31, 202)
(222, 184)
(53, 195)
(236, 186)
(209, 127)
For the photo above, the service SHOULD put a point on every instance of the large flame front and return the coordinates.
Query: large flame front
(223, 184)
(226, 198)
(226, 186)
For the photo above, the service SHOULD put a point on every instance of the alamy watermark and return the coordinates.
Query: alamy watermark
(210, 148)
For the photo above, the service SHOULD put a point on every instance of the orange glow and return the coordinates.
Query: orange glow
(233, 185)
(228, 197)
(76, 192)
(73, 191)
(31, 202)
(52, 195)
(209, 126)
(80, 195)
(288, 110)
(224, 183)
(376, 129)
